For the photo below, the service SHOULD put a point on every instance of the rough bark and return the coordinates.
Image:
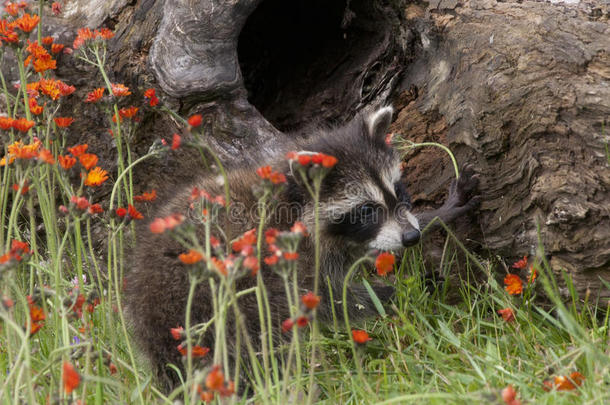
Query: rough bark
(519, 89)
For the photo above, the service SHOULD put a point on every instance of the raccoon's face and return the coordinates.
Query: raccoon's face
(364, 201)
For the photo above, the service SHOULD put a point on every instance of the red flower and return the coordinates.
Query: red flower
(195, 120)
(175, 141)
(65, 89)
(509, 396)
(63, 122)
(564, 383)
(251, 263)
(197, 351)
(66, 161)
(150, 94)
(215, 380)
(302, 321)
(146, 196)
(78, 150)
(270, 235)
(70, 378)
(304, 160)
(95, 95)
(12, 9)
(247, 239)
(120, 90)
(514, 285)
(177, 333)
(46, 156)
(360, 336)
(57, 48)
(7, 32)
(271, 260)
(191, 257)
(266, 173)
(104, 33)
(24, 189)
(133, 212)
(291, 256)
(6, 123)
(95, 209)
(88, 160)
(56, 8)
(81, 202)
(128, 112)
(533, 275)
(157, 225)
(34, 107)
(299, 228)
(26, 22)
(507, 314)
(310, 300)
(329, 161)
(23, 124)
(121, 212)
(520, 264)
(83, 35)
(384, 263)
(287, 325)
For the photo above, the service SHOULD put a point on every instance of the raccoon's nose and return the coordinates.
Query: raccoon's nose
(410, 238)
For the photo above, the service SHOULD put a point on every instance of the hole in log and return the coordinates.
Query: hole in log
(308, 60)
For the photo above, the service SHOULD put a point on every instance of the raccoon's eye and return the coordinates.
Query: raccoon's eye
(367, 210)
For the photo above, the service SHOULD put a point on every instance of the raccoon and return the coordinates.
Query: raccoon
(364, 206)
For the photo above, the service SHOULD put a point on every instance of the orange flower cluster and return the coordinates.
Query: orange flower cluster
(509, 396)
(564, 383)
(17, 150)
(513, 283)
(95, 95)
(384, 263)
(20, 124)
(17, 252)
(50, 87)
(85, 34)
(82, 204)
(42, 60)
(37, 316)
(191, 257)
(216, 384)
(196, 351)
(245, 246)
(151, 96)
(507, 314)
(266, 173)
(96, 177)
(282, 245)
(63, 122)
(310, 300)
(120, 90)
(316, 159)
(360, 336)
(129, 213)
(146, 196)
(27, 22)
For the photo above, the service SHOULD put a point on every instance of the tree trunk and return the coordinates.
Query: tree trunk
(519, 89)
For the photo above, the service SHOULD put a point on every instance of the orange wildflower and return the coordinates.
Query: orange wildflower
(287, 325)
(251, 263)
(83, 35)
(146, 196)
(215, 380)
(7, 32)
(23, 124)
(34, 107)
(133, 212)
(384, 263)
(120, 90)
(104, 33)
(564, 383)
(27, 22)
(24, 188)
(247, 239)
(47, 40)
(6, 123)
(520, 264)
(219, 265)
(66, 161)
(291, 256)
(56, 8)
(88, 160)
(50, 87)
(57, 48)
(299, 228)
(310, 300)
(44, 64)
(533, 275)
(46, 156)
(70, 378)
(267, 173)
(63, 122)
(12, 9)
(197, 351)
(95, 209)
(191, 257)
(150, 94)
(78, 150)
(507, 314)
(302, 321)
(65, 89)
(95, 95)
(96, 177)
(360, 336)
(128, 112)
(514, 285)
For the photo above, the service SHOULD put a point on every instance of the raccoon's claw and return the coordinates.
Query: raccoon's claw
(461, 190)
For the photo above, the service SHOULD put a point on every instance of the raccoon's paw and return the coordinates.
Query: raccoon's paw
(462, 190)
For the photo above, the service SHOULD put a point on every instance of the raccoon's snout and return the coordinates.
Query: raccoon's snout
(410, 237)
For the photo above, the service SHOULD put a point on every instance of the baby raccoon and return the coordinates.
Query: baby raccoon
(363, 206)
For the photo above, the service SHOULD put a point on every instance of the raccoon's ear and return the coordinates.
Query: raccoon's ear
(379, 122)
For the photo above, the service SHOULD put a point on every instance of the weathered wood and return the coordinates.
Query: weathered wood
(519, 88)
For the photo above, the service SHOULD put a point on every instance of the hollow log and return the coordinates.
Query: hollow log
(520, 89)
